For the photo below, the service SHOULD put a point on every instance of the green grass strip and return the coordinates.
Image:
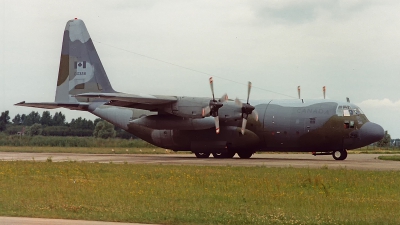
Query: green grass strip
(85, 150)
(198, 194)
(390, 157)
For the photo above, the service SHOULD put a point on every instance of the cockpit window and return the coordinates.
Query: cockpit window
(358, 111)
(347, 110)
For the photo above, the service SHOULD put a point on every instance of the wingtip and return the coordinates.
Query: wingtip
(20, 103)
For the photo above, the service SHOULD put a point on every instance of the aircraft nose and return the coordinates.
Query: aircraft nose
(372, 132)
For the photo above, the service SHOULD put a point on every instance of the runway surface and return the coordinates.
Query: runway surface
(353, 161)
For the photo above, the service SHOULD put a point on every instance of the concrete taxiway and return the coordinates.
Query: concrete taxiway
(353, 161)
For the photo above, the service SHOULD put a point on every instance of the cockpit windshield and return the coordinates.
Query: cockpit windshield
(348, 110)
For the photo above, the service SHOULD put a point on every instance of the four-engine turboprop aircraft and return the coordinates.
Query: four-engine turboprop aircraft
(205, 126)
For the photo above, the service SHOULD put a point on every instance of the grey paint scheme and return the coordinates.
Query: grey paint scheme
(177, 123)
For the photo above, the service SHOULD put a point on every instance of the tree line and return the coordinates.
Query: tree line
(55, 125)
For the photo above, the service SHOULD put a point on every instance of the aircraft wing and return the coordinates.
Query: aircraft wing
(147, 102)
(55, 105)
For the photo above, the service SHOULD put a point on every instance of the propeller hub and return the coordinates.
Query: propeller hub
(247, 108)
(214, 107)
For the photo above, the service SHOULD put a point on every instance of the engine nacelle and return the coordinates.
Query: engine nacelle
(188, 107)
(170, 122)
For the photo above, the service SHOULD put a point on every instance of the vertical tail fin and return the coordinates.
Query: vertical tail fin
(80, 68)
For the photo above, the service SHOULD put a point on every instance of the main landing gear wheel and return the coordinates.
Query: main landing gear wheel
(220, 155)
(245, 154)
(340, 155)
(202, 154)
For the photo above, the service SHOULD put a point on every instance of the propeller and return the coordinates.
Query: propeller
(247, 109)
(298, 91)
(213, 107)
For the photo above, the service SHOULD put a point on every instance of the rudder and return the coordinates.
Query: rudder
(81, 70)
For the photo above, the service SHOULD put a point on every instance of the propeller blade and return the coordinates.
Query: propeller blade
(224, 98)
(213, 107)
(206, 111)
(244, 125)
(238, 102)
(248, 92)
(216, 119)
(254, 114)
(212, 87)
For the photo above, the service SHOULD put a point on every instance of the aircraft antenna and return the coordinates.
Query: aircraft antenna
(324, 91)
(190, 69)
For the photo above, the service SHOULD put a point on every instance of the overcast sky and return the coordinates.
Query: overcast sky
(351, 47)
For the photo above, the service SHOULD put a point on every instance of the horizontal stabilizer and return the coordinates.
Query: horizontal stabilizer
(55, 105)
(130, 98)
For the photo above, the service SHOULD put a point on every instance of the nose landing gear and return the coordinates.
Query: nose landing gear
(337, 155)
(340, 154)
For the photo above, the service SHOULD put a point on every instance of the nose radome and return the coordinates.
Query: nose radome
(372, 132)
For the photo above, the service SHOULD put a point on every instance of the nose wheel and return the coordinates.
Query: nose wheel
(340, 154)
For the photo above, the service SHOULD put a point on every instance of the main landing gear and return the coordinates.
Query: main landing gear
(225, 155)
(202, 155)
(245, 154)
(340, 155)
(337, 155)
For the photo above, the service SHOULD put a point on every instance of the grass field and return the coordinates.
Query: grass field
(68, 141)
(198, 194)
(379, 151)
(390, 157)
(84, 150)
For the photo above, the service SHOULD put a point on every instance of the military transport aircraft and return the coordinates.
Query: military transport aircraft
(205, 126)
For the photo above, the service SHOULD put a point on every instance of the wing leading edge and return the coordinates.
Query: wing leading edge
(147, 102)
